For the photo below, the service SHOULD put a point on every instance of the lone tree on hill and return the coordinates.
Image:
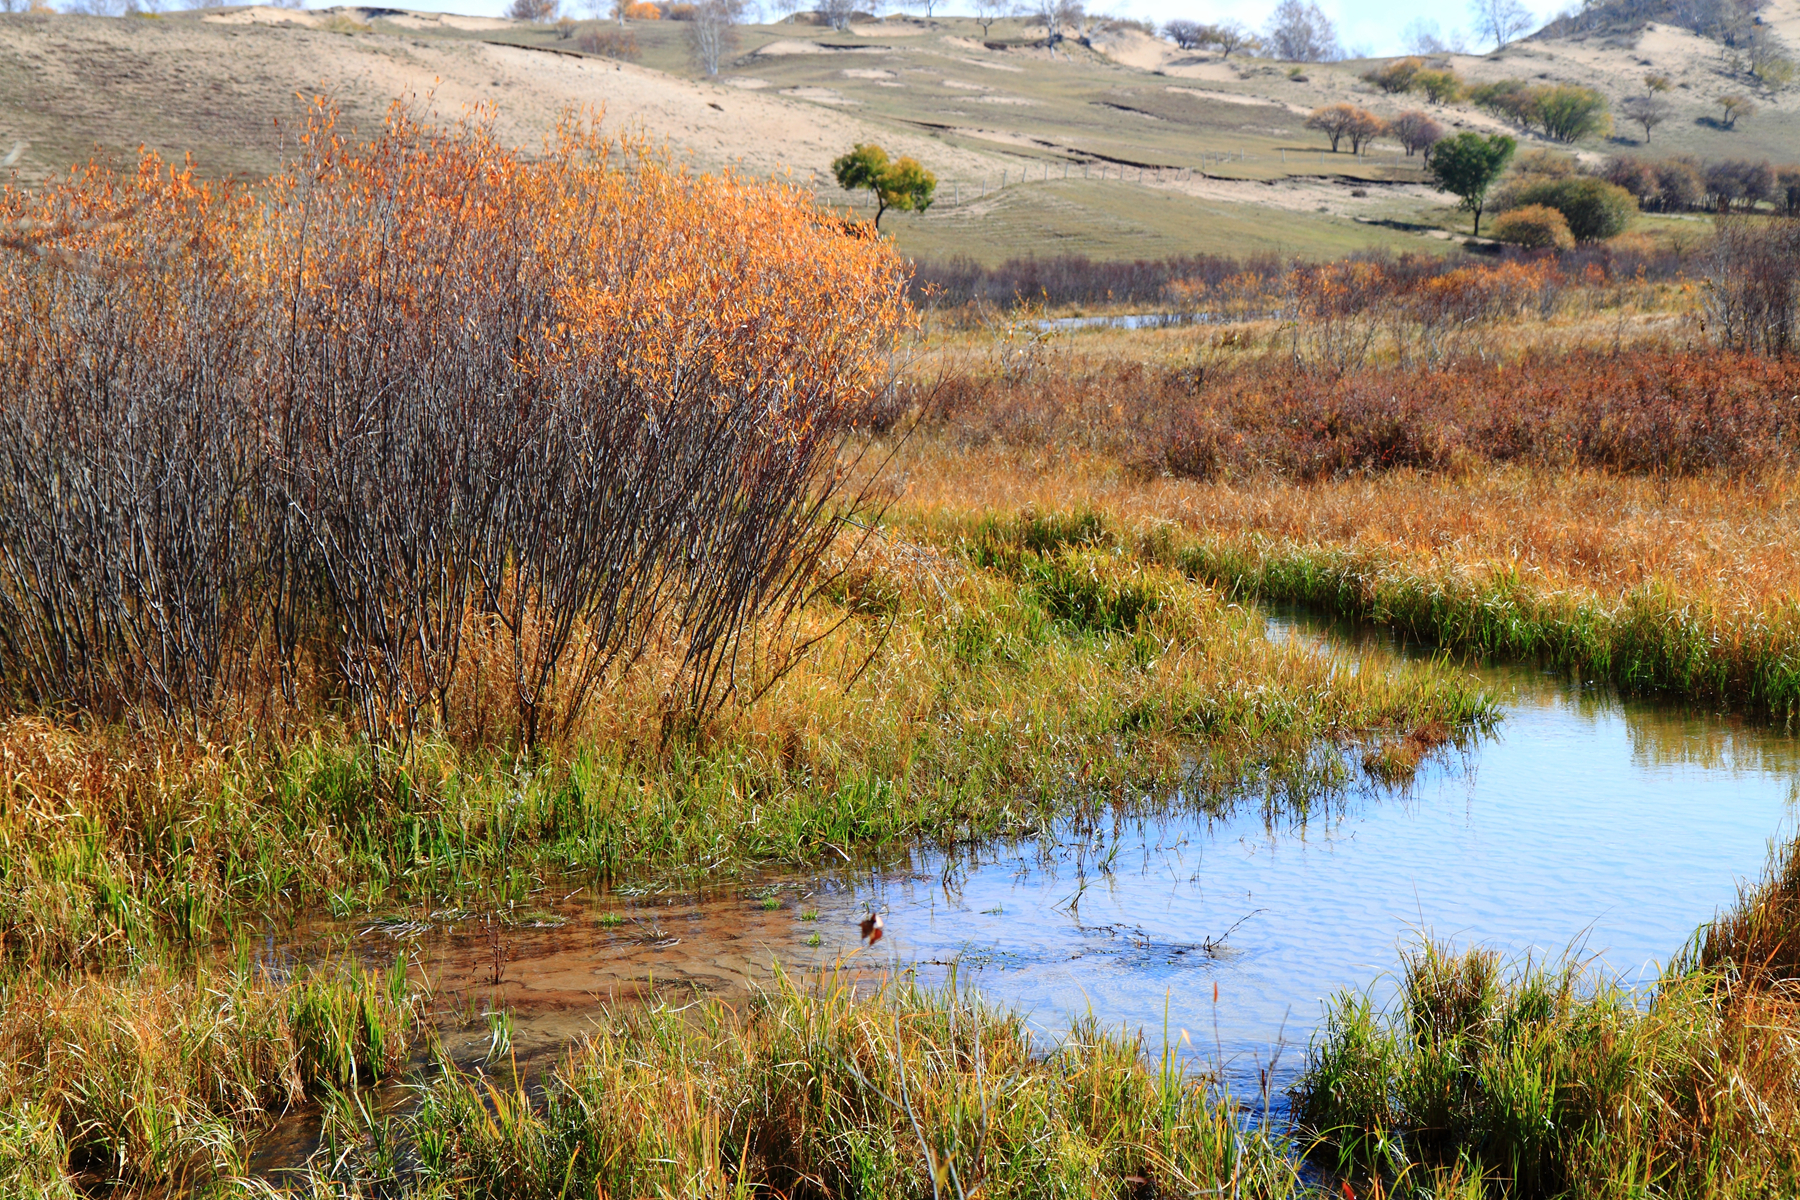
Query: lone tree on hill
(1229, 36)
(1648, 110)
(1467, 166)
(1186, 34)
(899, 183)
(1502, 20)
(989, 11)
(1735, 108)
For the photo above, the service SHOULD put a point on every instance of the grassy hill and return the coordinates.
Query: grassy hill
(1125, 147)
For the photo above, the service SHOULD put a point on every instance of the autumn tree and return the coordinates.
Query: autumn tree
(1338, 121)
(1440, 87)
(1416, 132)
(1397, 76)
(1569, 113)
(900, 184)
(1734, 108)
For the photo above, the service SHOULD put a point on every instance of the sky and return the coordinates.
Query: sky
(1372, 26)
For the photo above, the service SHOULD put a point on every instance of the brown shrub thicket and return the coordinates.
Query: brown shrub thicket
(1654, 412)
(963, 288)
(581, 404)
(610, 42)
(1753, 285)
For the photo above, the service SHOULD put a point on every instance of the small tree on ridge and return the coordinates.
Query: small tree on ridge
(1468, 165)
(899, 183)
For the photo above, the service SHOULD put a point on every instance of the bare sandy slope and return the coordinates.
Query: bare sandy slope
(218, 87)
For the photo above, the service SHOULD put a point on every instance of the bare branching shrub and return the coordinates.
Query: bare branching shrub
(422, 386)
(129, 499)
(1753, 285)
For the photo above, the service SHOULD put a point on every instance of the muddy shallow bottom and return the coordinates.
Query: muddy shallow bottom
(1610, 828)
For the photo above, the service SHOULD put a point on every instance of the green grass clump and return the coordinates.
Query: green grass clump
(1546, 1080)
(817, 1091)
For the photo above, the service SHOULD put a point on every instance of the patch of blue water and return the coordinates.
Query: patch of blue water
(1611, 829)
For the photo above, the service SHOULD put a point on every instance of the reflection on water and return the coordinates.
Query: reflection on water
(1612, 827)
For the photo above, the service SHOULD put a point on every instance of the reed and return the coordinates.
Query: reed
(1623, 511)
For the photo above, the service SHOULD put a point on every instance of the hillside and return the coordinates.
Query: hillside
(1126, 147)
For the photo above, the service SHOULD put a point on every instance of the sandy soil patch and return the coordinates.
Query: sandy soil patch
(865, 73)
(1019, 101)
(270, 15)
(1133, 47)
(990, 65)
(819, 95)
(1209, 70)
(895, 27)
(437, 20)
(784, 47)
(1237, 98)
(1301, 193)
(959, 85)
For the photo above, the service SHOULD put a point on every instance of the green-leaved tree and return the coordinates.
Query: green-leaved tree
(1468, 165)
(899, 183)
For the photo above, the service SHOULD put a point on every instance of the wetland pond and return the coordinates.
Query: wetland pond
(1613, 828)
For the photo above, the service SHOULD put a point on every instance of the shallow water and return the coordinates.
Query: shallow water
(1611, 828)
(1614, 828)
(1134, 321)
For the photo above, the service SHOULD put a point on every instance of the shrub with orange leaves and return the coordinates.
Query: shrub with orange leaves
(585, 399)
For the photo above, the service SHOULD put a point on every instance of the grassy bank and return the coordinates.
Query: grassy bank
(948, 700)
(820, 1090)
